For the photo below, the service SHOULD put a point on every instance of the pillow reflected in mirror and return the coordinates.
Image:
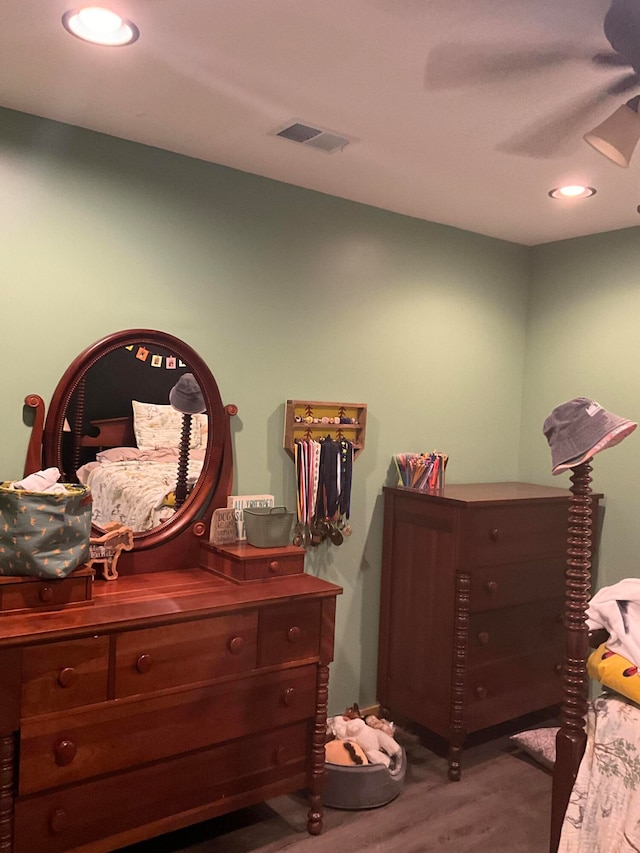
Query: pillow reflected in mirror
(156, 426)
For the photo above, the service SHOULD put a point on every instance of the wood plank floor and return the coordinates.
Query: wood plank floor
(501, 805)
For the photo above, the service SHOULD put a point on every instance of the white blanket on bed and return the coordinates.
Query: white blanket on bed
(603, 815)
(130, 485)
(617, 609)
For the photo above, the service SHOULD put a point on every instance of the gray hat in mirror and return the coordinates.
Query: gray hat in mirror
(186, 396)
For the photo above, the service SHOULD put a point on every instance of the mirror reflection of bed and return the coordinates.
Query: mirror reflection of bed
(111, 413)
(122, 437)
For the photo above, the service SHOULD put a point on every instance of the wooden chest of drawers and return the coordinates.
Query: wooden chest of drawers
(471, 605)
(150, 710)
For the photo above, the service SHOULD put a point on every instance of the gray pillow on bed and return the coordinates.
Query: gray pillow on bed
(540, 744)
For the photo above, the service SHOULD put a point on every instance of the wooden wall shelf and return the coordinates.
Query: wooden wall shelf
(320, 423)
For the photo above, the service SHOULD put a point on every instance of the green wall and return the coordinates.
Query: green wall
(583, 340)
(286, 293)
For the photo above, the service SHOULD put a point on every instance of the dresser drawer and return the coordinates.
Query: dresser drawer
(289, 632)
(242, 562)
(27, 593)
(503, 585)
(497, 634)
(508, 534)
(64, 748)
(186, 653)
(506, 689)
(199, 785)
(64, 675)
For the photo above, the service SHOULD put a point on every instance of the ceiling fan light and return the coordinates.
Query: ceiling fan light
(617, 136)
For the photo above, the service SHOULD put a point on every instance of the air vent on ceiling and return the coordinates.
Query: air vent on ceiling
(313, 137)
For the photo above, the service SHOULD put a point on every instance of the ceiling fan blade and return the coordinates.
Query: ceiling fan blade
(452, 65)
(609, 58)
(562, 128)
(624, 84)
(622, 29)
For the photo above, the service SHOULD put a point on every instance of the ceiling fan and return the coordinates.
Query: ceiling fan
(456, 65)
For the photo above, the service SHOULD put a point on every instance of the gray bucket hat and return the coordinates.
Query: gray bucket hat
(578, 429)
(186, 396)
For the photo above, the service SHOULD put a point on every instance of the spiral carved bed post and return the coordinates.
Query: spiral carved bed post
(183, 460)
(571, 738)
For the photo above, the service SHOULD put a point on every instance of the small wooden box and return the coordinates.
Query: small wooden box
(27, 593)
(242, 562)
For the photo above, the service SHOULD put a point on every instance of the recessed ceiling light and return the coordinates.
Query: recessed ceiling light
(100, 26)
(573, 191)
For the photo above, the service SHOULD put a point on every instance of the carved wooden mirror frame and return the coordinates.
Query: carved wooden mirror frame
(174, 543)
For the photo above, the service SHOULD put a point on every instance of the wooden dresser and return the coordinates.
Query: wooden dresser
(164, 700)
(190, 683)
(471, 606)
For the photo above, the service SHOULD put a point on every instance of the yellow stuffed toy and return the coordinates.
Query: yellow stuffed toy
(614, 671)
(344, 752)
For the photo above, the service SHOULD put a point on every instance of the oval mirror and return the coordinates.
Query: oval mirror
(150, 464)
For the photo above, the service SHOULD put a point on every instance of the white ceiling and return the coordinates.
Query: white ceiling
(213, 79)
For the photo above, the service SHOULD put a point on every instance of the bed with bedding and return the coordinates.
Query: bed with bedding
(596, 777)
(136, 487)
(135, 483)
(596, 767)
(603, 813)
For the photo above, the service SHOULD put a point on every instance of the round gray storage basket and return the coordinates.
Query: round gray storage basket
(363, 787)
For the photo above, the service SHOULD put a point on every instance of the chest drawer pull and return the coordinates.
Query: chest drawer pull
(491, 586)
(481, 692)
(288, 695)
(494, 534)
(279, 756)
(483, 638)
(274, 566)
(557, 668)
(46, 593)
(59, 821)
(143, 664)
(236, 644)
(67, 677)
(65, 752)
(293, 634)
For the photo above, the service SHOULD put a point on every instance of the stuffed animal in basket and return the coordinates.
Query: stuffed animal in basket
(345, 753)
(377, 745)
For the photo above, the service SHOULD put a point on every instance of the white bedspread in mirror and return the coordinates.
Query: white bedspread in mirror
(133, 486)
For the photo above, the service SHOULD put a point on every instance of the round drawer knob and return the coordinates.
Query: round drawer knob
(279, 756)
(491, 586)
(293, 634)
(287, 696)
(481, 692)
(236, 644)
(58, 821)
(46, 593)
(274, 566)
(67, 677)
(65, 752)
(557, 668)
(143, 664)
(494, 534)
(199, 529)
(483, 638)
